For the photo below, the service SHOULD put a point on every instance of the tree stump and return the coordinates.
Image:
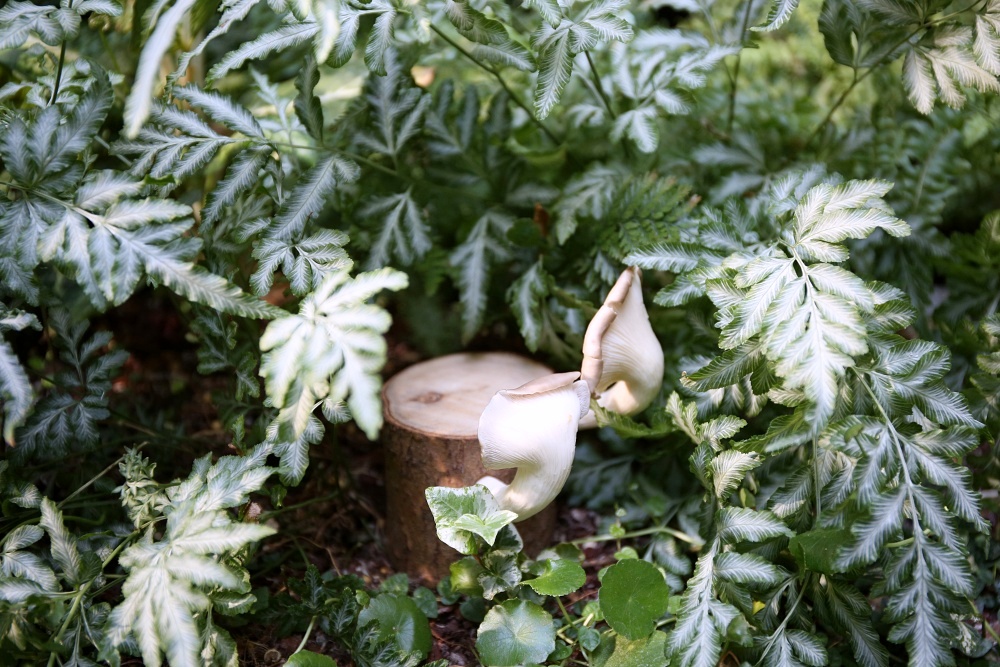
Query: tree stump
(431, 421)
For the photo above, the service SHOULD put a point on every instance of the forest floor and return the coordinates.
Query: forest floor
(334, 520)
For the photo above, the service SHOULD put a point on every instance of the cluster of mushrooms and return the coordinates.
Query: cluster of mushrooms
(533, 427)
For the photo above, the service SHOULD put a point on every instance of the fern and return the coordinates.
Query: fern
(483, 245)
(67, 418)
(15, 387)
(332, 350)
(92, 225)
(172, 581)
(403, 232)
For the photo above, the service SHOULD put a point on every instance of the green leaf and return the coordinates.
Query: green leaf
(305, 658)
(633, 598)
(307, 105)
(559, 577)
(514, 633)
(400, 621)
(646, 652)
(819, 550)
(479, 509)
(488, 527)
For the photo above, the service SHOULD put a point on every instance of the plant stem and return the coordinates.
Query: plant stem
(305, 637)
(736, 70)
(600, 87)
(566, 615)
(306, 503)
(503, 84)
(855, 80)
(59, 71)
(684, 537)
(95, 478)
(78, 598)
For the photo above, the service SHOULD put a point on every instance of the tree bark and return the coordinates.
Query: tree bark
(431, 422)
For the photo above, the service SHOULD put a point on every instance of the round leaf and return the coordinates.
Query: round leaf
(633, 597)
(514, 633)
(561, 577)
(399, 620)
(309, 659)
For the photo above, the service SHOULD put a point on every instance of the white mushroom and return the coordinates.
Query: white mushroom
(622, 359)
(532, 428)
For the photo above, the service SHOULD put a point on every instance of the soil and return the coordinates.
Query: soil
(334, 520)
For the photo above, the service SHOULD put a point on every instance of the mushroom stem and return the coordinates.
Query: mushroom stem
(532, 428)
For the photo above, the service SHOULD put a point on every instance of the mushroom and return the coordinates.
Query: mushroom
(532, 428)
(622, 359)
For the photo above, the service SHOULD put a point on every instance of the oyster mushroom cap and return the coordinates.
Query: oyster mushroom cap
(622, 358)
(532, 428)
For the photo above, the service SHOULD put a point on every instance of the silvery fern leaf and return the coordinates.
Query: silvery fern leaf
(485, 244)
(140, 99)
(333, 349)
(586, 195)
(403, 234)
(170, 582)
(808, 313)
(307, 105)
(51, 24)
(309, 196)
(18, 563)
(67, 416)
(241, 177)
(698, 633)
(939, 71)
(555, 66)
(505, 54)
(780, 12)
(842, 606)
(285, 37)
(233, 11)
(396, 107)
(293, 455)
(987, 41)
(62, 543)
(305, 264)
(525, 297)
(15, 387)
(558, 43)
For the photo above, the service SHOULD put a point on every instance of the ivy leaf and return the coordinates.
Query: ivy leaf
(558, 577)
(461, 514)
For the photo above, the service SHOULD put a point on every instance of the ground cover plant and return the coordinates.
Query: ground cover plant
(221, 222)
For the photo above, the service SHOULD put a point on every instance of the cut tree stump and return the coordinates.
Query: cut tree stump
(431, 420)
